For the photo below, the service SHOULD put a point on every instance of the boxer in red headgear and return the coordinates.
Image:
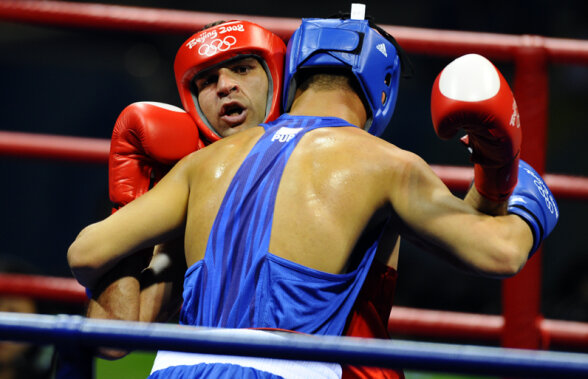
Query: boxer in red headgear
(219, 73)
(148, 138)
(201, 57)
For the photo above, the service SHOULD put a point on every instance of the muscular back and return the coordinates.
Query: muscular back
(330, 190)
(337, 181)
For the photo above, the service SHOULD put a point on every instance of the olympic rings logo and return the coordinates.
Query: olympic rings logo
(216, 45)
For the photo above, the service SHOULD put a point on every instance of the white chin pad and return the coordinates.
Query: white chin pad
(469, 78)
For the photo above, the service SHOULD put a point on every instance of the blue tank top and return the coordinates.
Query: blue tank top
(239, 283)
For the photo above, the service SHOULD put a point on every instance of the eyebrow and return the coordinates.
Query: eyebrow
(242, 60)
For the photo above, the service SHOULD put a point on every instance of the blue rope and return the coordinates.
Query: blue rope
(73, 330)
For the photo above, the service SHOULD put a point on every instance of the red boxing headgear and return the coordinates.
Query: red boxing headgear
(213, 46)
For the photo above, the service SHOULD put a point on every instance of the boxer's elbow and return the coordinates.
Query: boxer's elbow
(83, 258)
(499, 247)
(78, 254)
(512, 260)
(505, 259)
(512, 246)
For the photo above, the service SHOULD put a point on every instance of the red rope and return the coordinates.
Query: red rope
(416, 40)
(117, 17)
(489, 328)
(97, 150)
(54, 147)
(402, 321)
(42, 287)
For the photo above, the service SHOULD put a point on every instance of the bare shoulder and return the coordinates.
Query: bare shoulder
(378, 154)
(362, 161)
(214, 159)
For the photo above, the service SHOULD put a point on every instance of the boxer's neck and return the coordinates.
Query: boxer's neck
(342, 103)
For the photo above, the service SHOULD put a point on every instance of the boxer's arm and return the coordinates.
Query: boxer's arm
(141, 290)
(131, 292)
(117, 297)
(153, 218)
(146, 139)
(162, 282)
(158, 283)
(431, 216)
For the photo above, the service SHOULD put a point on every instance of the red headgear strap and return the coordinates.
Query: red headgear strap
(212, 46)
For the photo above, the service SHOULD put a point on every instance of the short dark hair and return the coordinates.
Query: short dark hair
(330, 78)
(212, 24)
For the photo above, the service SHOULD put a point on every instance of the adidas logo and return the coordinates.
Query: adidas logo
(382, 49)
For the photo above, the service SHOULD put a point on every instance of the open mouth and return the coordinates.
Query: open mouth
(232, 110)
(233, 114)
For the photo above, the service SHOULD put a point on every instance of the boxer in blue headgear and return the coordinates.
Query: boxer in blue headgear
(285, 222)
(373, 58)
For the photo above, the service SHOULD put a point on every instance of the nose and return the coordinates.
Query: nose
(226, 83)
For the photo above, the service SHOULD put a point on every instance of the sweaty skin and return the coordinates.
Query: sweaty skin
(344, 175)
(233, 97)
(335, 183)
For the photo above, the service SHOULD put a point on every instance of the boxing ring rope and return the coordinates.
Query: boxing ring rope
(78, 149)
(70, 331)
(403, 320)
(66, 290)
(521, 324)
(95, 150)
(416, 40)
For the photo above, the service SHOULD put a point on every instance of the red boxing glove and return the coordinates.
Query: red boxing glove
(148, 138)
(471, 94)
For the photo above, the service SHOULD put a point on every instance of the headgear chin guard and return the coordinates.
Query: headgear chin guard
(354, 45)
(212, 47)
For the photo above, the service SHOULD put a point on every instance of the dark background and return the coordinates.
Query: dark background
(75, 82)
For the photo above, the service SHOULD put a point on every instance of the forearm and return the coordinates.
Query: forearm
(119, 301)
(86, 258)
(117, 297)
(117, 294)
(160, 301)
(157, 216)
(134, 292)
(495, 247)
(455, 228)
(162, 282)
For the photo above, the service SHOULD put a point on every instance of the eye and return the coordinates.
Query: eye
(242, 68)
(205, 81)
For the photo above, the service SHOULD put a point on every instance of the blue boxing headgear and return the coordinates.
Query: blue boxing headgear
(352, 44)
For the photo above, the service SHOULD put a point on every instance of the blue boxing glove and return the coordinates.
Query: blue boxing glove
(533, 201)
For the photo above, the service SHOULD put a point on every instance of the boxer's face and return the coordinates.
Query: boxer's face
(233, 97)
